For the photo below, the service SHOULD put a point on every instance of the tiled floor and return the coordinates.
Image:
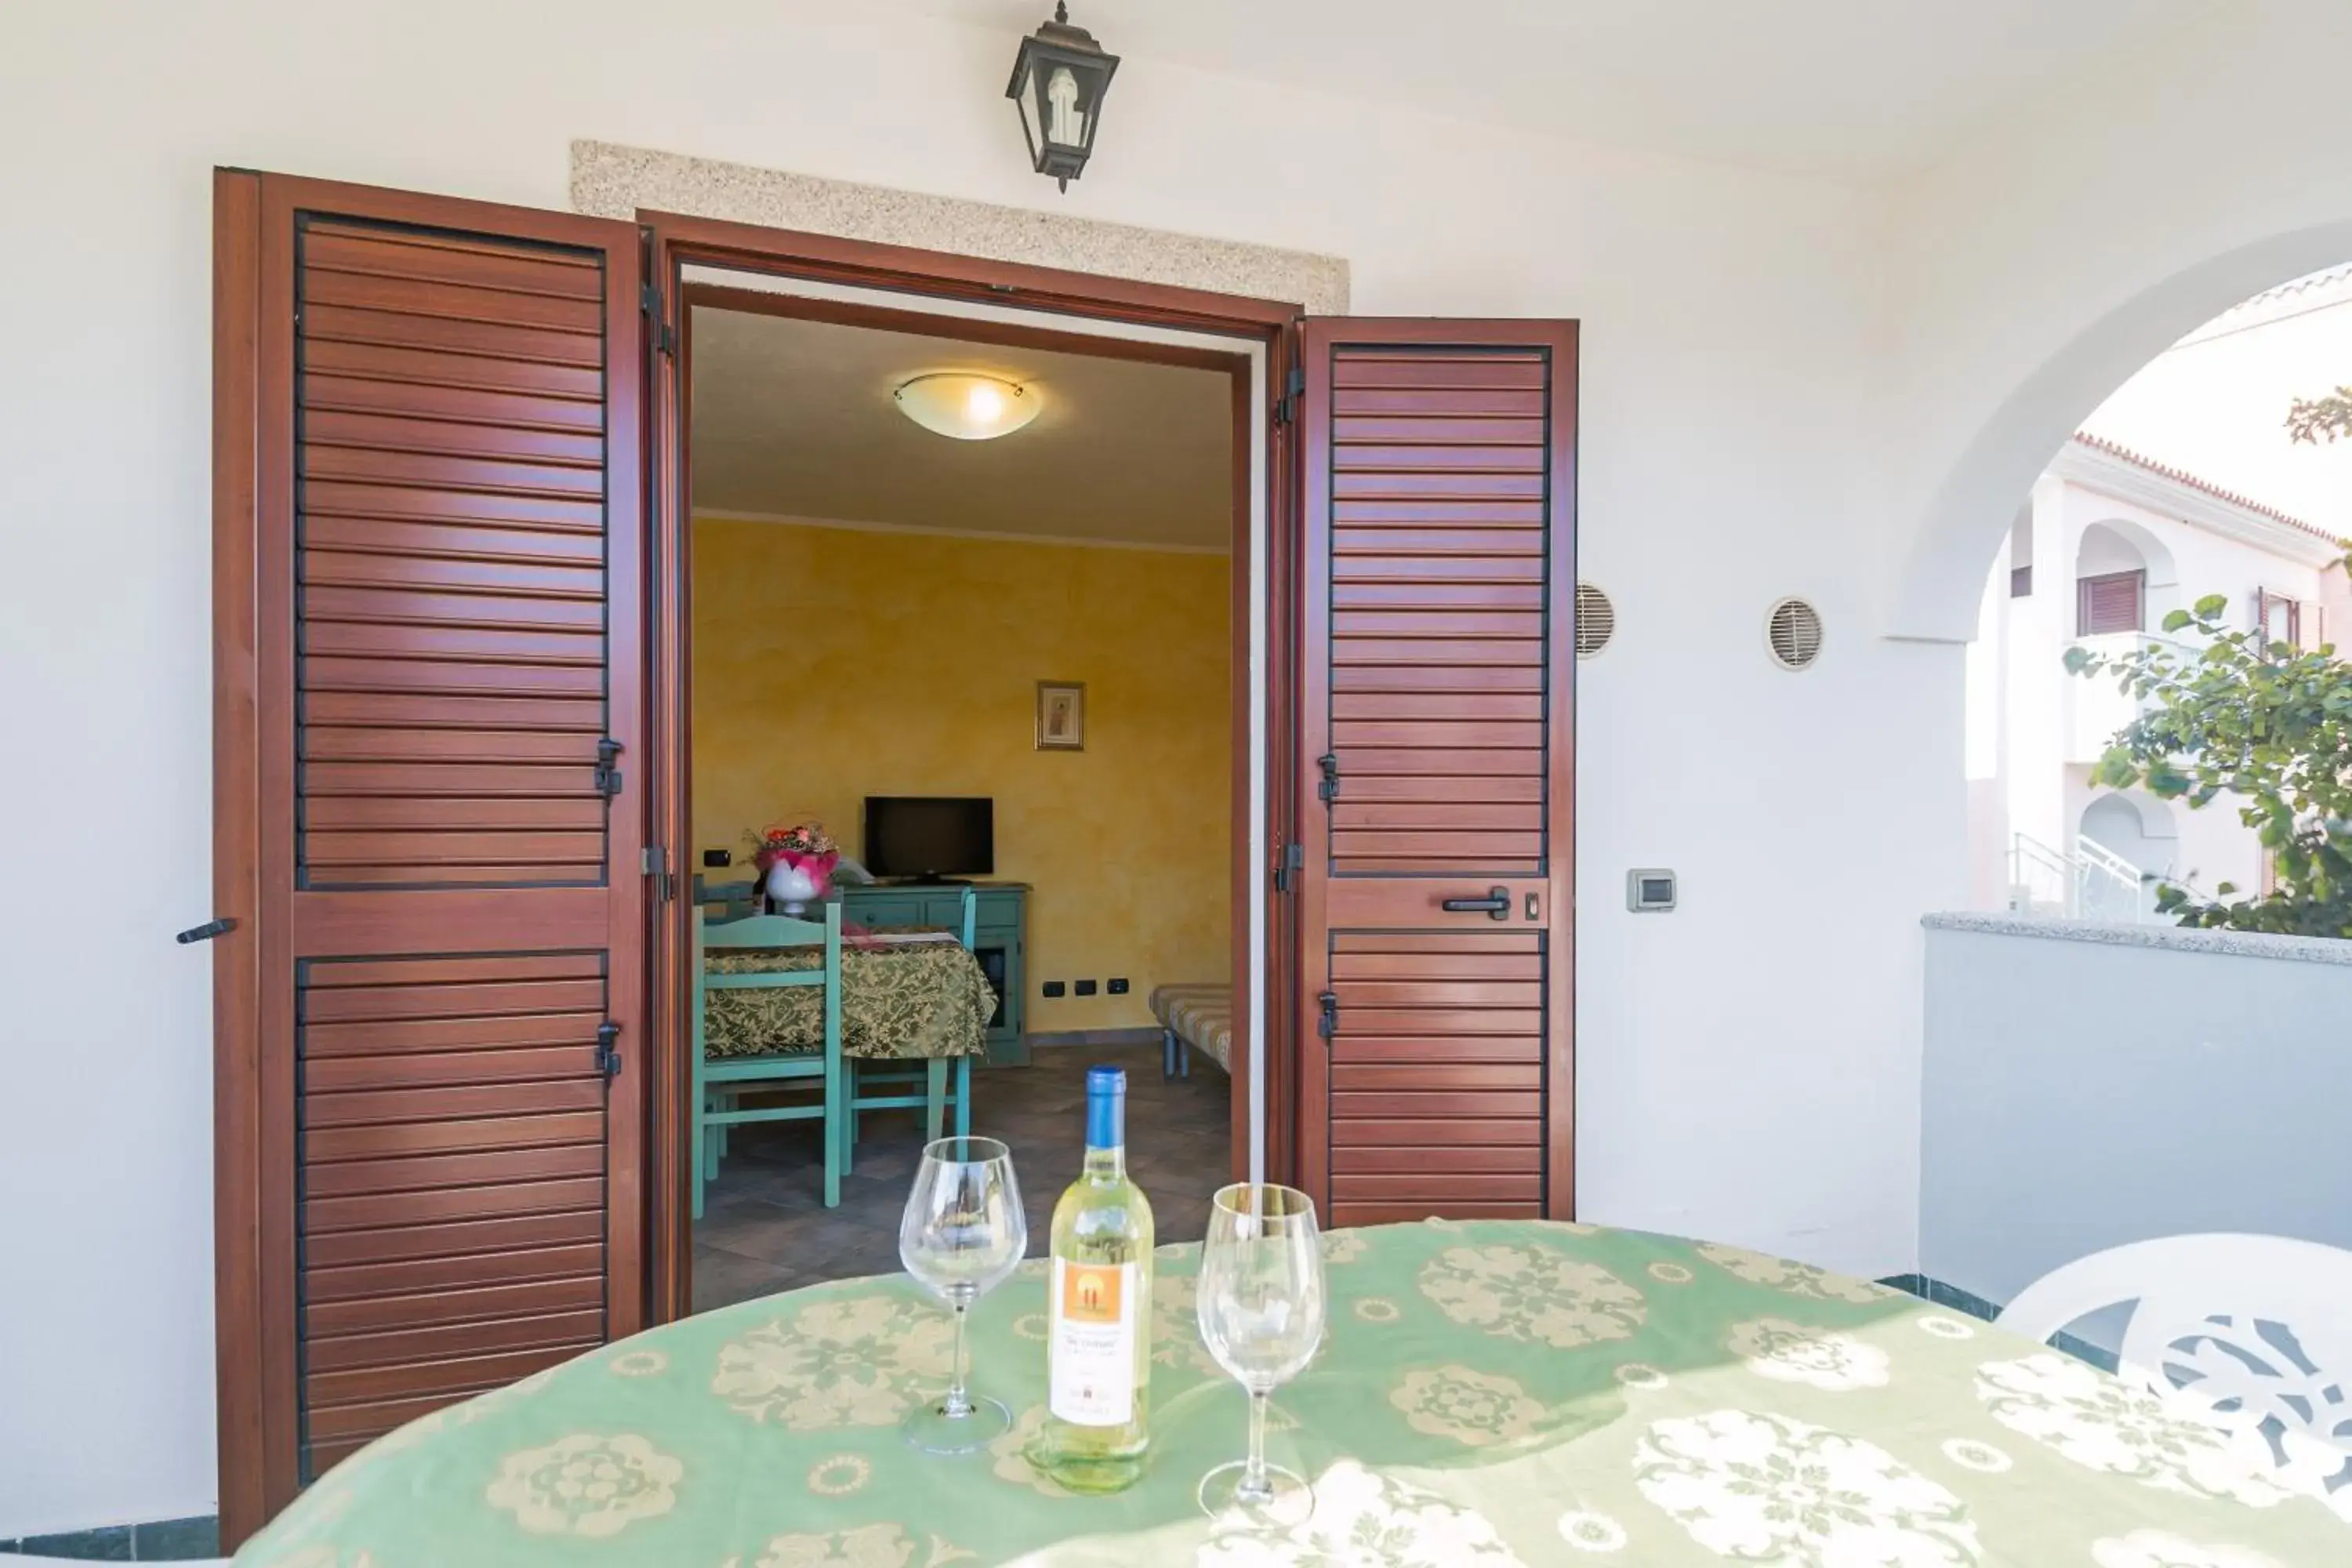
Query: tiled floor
(765, 1227)
(165, 1541)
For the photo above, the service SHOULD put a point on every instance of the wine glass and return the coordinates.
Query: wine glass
(963, 1231)
(1261, 1309)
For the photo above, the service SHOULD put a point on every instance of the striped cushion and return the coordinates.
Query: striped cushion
(1200, 1015)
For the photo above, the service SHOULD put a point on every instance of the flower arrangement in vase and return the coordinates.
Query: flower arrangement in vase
(796, 861)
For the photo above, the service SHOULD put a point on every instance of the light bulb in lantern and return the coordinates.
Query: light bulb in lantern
(1064, 123)
(967, 406)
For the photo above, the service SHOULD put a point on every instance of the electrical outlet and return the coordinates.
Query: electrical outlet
(713, 860)
(1051, 988)
(1119, 986)
(1085, 987)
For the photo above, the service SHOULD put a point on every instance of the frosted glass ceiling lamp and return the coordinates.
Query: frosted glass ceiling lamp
(966, 406)
(1058, 82)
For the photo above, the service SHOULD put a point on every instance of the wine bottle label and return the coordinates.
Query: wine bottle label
(1092, 1378)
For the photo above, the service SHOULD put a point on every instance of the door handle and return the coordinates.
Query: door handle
(1496, 905)
(207, 931)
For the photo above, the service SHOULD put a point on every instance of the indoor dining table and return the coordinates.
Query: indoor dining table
(1488, 1393)
(905, 995)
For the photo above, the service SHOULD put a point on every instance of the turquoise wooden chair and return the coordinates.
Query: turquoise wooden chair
(923, 1088)
(727, 900)
(718, 1085)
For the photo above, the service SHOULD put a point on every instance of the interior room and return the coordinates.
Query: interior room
(961, 615)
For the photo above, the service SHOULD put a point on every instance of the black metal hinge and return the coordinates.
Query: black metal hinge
(1328, 1024)
(608, 1055)
(1285, 407)
(207, 931)
(1292, 862)
(1328, 790)
(608, 778)
(660, 334)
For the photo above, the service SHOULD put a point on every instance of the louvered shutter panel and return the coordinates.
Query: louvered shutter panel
(450, 905)
(2111, 603)
(1437, 653)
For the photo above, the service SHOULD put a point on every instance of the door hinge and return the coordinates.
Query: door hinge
(660, 334)
(1327, 1023)
(656, 861)
(608, 1055)
(608, 778)
(207, 931)
(1293, 860)
(1285, 407)
(1328, 790)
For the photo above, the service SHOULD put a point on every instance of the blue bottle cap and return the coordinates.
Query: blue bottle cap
(1105, 1107)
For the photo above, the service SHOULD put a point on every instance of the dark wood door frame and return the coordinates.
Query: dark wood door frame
(675, 243)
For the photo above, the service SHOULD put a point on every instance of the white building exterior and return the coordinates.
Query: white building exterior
(2111, 543)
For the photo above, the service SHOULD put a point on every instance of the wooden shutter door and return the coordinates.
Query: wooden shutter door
(429, 675)
(1437, 732)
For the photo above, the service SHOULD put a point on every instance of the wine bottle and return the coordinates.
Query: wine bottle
(1099, 1343)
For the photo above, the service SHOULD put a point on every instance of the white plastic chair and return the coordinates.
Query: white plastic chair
(2253, 1332)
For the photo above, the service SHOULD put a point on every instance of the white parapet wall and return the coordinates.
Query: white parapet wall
(2090, 1085)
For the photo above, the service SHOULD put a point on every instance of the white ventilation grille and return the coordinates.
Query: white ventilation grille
(1596, 620)
(1793, 632)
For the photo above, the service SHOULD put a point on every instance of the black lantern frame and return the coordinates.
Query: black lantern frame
(1056, 46)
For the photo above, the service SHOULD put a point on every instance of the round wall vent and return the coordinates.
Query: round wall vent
(1596, 620)
(1793, 631)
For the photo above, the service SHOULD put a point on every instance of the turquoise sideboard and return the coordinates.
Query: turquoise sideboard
(1000, 942)
(1000, 937)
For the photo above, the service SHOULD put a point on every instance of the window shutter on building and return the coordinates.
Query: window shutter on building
(429, 546)
(2279, 619)
(2111, 603)
(1437, 655)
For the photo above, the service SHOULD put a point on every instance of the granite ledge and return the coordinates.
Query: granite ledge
(2237, 943)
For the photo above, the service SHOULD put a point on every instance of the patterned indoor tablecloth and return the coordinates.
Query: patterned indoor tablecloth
(1489, 1394)
(904, 994)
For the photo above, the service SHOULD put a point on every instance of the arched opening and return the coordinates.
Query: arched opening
(2173, 491)
(2124, 843)
(2125, 579)
(1977, 497)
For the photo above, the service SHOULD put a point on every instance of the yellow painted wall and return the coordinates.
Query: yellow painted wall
(831, 664)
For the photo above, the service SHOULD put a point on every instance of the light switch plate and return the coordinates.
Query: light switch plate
(1650, 891)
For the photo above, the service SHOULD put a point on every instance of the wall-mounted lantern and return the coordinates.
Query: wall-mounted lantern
(1058, 82)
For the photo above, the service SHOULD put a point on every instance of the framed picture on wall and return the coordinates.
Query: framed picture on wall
(1061, 716)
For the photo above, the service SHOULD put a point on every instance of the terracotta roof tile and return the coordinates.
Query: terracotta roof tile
(2182, 476)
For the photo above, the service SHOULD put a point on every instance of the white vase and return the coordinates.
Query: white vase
(790, 888)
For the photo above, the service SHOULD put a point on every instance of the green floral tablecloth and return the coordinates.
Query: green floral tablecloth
(1489, 1394)
(900, 997)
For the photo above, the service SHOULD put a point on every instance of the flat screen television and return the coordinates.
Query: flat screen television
(927, 837)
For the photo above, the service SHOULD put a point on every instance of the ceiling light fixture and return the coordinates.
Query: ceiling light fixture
(967, 406)
(1059, 78)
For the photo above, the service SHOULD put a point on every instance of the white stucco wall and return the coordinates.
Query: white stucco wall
(2087, 1087)
(1781, 380)
(2078, 236)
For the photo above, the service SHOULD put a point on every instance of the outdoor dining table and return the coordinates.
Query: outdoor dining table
(1489, 1392)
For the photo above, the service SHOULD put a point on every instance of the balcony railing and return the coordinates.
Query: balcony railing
(2092, 883)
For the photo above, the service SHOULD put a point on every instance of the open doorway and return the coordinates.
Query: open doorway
(987, 646)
